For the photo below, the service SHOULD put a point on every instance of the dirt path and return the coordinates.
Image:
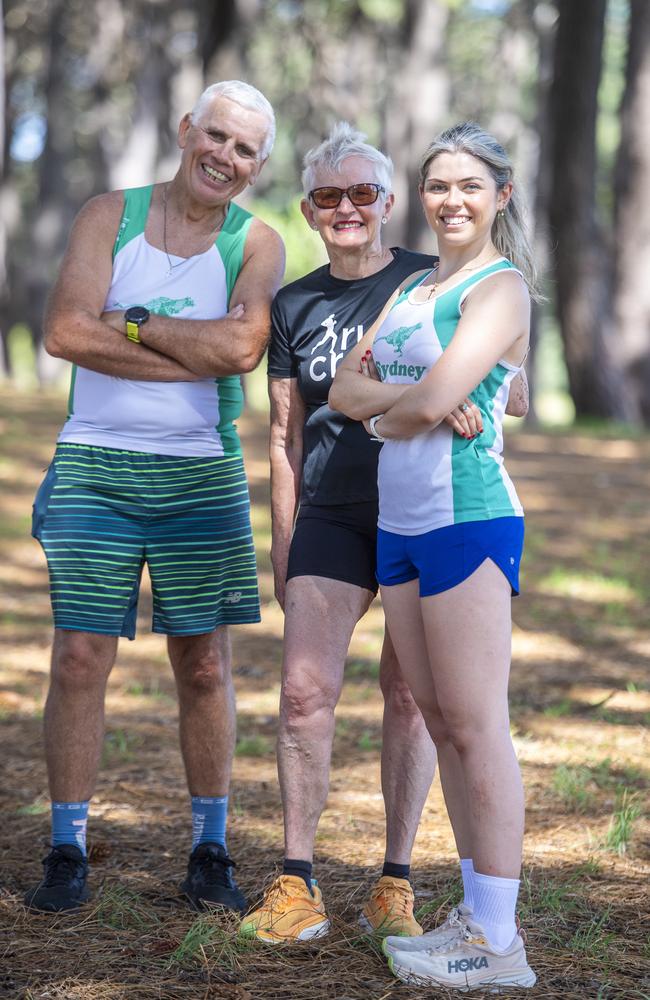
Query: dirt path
(580, 710)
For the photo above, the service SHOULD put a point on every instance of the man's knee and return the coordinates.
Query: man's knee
(81, 661)
(205, 674)
(202, 664)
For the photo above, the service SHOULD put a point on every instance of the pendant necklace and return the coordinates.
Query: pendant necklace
(432, 289)
(170, 266)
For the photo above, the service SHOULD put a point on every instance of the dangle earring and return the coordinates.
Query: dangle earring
(384, 221)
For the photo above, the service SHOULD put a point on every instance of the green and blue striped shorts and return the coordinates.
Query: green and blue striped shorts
(102, 513)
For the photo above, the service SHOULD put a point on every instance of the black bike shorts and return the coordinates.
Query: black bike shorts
(337, 542)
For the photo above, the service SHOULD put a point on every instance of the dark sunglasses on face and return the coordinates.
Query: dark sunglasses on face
(358, 194)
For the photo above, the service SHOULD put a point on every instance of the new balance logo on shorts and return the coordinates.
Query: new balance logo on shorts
(234, 597)
(467, 964)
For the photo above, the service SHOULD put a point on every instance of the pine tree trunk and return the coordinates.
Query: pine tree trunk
(582, 257)
(632, 215)
(418, 109)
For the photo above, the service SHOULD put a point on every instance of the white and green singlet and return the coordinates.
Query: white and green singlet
(164, 418)
(438, 478)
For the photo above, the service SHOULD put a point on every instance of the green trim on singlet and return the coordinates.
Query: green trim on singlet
(73, 378)
(469, 467)
(409, 288)
(134, 216)
(230, 243)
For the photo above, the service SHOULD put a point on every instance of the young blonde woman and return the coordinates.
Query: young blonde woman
(451, 527)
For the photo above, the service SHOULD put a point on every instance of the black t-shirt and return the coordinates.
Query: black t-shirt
(315, 322)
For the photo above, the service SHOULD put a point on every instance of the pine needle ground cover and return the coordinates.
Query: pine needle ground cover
(580, 697)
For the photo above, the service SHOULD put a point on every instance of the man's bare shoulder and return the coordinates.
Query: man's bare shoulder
(263, 236)
(103, 210)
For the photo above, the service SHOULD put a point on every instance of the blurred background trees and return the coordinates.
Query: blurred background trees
(94, 92)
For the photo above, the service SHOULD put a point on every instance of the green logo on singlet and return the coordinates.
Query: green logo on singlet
(163, 306)
(398, 337)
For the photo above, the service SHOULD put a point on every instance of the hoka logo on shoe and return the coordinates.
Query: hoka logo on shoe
(467, 964)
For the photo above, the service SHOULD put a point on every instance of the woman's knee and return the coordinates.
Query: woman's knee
(303, 697)
(467, 730)
(398, 699)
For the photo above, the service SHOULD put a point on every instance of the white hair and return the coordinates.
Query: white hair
(246, 96)
(342, 142)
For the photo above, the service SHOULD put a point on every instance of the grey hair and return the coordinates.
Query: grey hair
(243, 94)
(342, 142)
(509, 230)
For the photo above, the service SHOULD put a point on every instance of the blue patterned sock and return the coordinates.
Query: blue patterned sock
(209, 815)
(69, 820)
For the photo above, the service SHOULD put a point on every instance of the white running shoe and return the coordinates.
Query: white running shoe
(466, 963)
(439, 937)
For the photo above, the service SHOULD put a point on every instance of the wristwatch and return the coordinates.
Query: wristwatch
(134, 317)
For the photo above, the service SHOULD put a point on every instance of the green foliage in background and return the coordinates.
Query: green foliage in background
(305, 250)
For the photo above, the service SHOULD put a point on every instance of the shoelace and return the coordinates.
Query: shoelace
(276, 896)
(216, 869)
(403, 899)
(457, 924)
(60, 870)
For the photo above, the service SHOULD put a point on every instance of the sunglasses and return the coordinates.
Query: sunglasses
(358, 194)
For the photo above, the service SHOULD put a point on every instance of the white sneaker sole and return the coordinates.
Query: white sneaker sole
(308, 934)
(524, 979)
(365, 924)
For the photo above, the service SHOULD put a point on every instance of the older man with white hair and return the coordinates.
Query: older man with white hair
(162, 301)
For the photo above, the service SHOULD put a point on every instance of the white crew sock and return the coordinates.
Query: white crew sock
(467, 874)
(495, 901)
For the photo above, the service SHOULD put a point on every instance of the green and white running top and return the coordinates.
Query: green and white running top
(438, 478)
(164, 418)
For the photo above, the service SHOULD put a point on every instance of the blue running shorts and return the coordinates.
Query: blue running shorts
(443, 558)
(101, 513)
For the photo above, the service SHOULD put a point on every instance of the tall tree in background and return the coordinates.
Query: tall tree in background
(417, 107)
(583, 274)
(632, 216)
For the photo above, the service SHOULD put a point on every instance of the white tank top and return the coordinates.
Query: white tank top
(439, 478)
(165, 418)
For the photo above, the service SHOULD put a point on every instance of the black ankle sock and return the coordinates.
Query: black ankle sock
(396, 871)
(302, 869)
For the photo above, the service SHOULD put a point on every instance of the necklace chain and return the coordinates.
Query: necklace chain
(170, 266)
(432, 289)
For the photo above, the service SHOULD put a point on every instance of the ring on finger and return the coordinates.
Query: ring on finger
(463, 407)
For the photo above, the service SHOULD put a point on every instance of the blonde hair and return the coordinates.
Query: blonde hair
(509, 229)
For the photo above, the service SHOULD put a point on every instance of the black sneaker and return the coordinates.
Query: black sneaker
(209, 879)
(64, 881)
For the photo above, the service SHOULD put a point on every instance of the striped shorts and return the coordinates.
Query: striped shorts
(101, 513)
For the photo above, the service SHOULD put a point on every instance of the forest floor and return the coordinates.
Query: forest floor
(580, 697)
